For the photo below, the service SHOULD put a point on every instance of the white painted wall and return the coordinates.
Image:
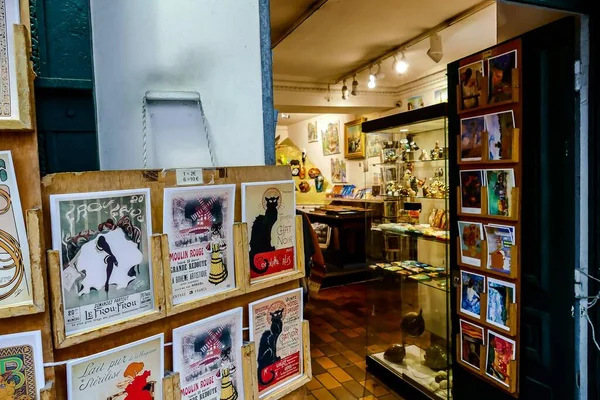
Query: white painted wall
(208, 46)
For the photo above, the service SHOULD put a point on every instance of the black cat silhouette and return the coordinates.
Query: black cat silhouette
(267, 349)
(260, 237)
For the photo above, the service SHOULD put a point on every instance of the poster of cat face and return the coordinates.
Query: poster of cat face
(133, 371)
(199, 223)
(276, 329)
(21, 365)
(104, 244)
(15, 282)
(208, 356)
(269, 209)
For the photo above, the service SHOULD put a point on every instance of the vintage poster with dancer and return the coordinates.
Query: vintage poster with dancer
(208, 356)
(15, 267)
(269, 209)
(21, 366)
(133, 371)
(199, 223)
(104, 244)
(276, 329)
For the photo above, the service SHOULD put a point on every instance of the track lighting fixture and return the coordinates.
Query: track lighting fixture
(354, 86)
(435, 51)
(400, 66)
(373, 77)
(345, 91)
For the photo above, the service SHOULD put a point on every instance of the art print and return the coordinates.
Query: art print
(15, 263)
(500, 84)
(276, 328)
(471, 182)
(440, 95)
(500, 184)
(501, 351)
(470, 235)
(500, 240)
(104, 244)
(313, 135)
(199, 224)
(470, 91)
(133, 371)
(375, 143)
(330, 139)
(415, 102)
(499, 295)
(9, 102)
(471, 287)
(354, 139)
(338, 171)
(269, 209)
(471, 341)
(471, 143)
(500, 127)
(21, 366)
(208, 356)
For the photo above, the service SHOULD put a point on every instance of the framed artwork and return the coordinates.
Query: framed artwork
(471, 340)
(338, 170)
(199, 223)
(471, 287)
(500, 352)
(135, 371)
(499, 295)
(103, 240)
(276, 328)
(470, 235)
(470, 91)
(440, 95)
(471, 143)
(269, 209)
(354, 139)
(208, 356)
(21, 365)
(415, 102)
(500, 240)
(500, 84)
(313, 133)
(471, 182)
(499, 127)
(499, 187)
(330, 139)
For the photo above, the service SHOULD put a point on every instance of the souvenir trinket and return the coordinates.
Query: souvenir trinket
(424, 155)
(436, 358)
(319, 180)
(295, 165)
(437, 152)
(304, 187)
(395, 353)
(413, 324)
(314, 172)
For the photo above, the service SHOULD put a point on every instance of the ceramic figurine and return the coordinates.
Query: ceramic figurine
(436, 358)
(424, 155)
(304, 187)
(436, 153)
(314, 172)
(295, 164)
(413, 324)
(319, 180)
(395, 353)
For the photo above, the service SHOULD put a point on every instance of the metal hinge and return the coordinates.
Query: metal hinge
(577, 76)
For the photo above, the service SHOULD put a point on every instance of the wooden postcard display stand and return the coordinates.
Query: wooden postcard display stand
(484, 107)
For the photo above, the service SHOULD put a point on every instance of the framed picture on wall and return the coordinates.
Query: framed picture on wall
(354, 139)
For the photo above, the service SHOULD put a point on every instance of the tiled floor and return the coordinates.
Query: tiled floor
(338, 321)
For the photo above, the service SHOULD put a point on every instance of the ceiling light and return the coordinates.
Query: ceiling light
(372, 84)
(285, 116)
(404, 130)
(435, 51)
(354, 86)
(400, 66)
(345, 92)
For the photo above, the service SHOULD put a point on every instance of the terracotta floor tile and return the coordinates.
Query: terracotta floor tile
(360, 331)
(316, 367)
(391, 396)
(341, 361)
(341, 393)
(339, 346)
(349, 323)
(328, 381)
(357, 373)
(323, 394)
(315, 353)
(326, 337)
(340, 375)
(376, 388)
(352, 356)
(310, 397)
(314, 384)
(347, 314)
(326, 363)
(329, 349)
(356, 388)
(362, 365)
(368, 398)
(350, 333)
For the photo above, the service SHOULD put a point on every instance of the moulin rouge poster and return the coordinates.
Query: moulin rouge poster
(133, 371)
(269, 209)
(276, 329)
(199, 224)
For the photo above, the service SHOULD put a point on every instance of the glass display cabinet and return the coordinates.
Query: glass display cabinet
(409, 344)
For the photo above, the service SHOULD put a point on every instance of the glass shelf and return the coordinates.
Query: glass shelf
(407, 162)
(440, 283)
(418, 236)
(392, 198)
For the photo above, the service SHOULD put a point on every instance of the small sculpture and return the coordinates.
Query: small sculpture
(413, 324)
(437, 152)
(436, 358)
(304, 187)
(395, 353)
(314, 172)
(424, 155)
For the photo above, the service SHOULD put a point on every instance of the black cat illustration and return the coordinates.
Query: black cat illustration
(260, 237)
(267, 349)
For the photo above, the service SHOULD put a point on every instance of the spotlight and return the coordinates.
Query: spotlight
(372, 84)
(400, 66)
(373, 77)
(354, 86)
(345, 92)
(435, 51)
(284, 116)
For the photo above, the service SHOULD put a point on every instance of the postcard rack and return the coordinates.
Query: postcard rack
(482, 94)
(513, 206)
(514, 251)
(515, 140)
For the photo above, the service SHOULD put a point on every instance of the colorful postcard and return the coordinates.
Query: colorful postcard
(21, 366)
(471, 340)
(133, 371)
(313, 135)
(338, 171)
(208, 356)
(469, 84)
(500, 84)
(276, 328)
(15, 263)
(104, 244)
(269, 209)
(199, 224)
(500, 127)
(501, 351)
(499, 295)
(330, 139)
(415, 102)
(471, 144)
(470, 235)
(500, 240)
(471, 287)
(499, 187)
(471, 182)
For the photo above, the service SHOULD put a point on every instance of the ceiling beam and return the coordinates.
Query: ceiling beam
(313, 8)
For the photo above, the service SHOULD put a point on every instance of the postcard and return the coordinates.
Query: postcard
(208, 356)
(499, 187)
(471, 182)
(330, 139)
(471, 143)
(269, 209)
(15, 263)
(471, 287)
(471, 340)
(276, 328)
(470, 235)
(500, 127)
(499, 295)
(500, 83)
(500, 240)
(104, 244)
(21, 365)
(501, 351)
(470, 91)
(133, 371)
(199, 223)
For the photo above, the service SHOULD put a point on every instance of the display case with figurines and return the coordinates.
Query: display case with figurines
(408, 344)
